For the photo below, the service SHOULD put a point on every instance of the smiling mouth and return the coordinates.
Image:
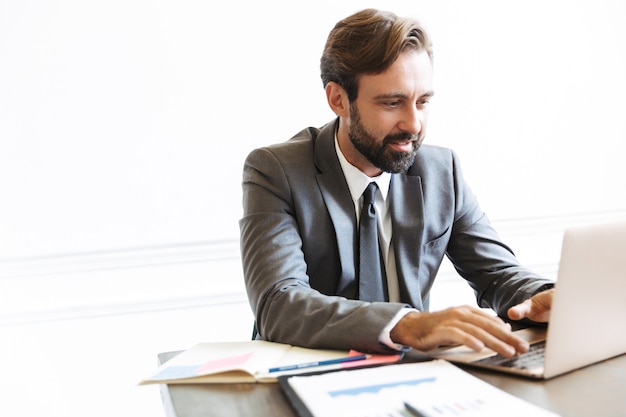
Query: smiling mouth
(402, 142)
(406, 145)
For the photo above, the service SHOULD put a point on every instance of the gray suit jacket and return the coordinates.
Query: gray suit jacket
(299, 243)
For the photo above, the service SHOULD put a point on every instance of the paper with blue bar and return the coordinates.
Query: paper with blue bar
(434, 388)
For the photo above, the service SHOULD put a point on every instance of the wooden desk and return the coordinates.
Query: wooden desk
(598, 390)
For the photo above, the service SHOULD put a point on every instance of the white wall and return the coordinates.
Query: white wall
(123, 129)
(124, 124)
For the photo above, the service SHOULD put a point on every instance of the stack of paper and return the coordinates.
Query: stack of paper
(426, 389)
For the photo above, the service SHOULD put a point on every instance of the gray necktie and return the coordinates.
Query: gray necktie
(372, 280)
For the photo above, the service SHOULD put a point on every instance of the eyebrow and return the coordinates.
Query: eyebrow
(386, 96)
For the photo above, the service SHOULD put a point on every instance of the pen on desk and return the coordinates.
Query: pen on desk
(319, 363)
(414, 411)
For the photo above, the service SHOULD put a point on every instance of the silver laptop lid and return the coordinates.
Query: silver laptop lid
(589, 305)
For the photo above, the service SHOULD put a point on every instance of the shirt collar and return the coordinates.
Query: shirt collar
(357, 180)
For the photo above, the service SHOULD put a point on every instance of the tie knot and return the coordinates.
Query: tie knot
(370, 193)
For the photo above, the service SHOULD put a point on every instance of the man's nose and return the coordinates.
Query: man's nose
(411, 122)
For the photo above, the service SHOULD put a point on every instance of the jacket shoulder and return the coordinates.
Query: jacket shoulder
(303, 141)
(435, 151)
(433, 157)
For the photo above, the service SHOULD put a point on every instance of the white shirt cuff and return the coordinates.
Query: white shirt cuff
(385, 334)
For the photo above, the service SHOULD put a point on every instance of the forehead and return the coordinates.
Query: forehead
(410, 75)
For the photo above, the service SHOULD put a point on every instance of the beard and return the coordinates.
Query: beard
(379, 154)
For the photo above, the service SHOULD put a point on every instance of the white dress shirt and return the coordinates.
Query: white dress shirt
(357, 183)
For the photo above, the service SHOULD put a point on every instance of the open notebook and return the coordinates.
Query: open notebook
(588, 309)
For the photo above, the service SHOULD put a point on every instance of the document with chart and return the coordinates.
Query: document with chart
(434, 388)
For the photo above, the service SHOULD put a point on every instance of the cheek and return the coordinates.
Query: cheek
(382, 124)
(425, 114)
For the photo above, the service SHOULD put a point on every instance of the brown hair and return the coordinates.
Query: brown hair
(368, 42)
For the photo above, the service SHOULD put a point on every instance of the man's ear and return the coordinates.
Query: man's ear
(337, 99)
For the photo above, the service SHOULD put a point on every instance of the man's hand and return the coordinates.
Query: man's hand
(537, 308)
(469, 326)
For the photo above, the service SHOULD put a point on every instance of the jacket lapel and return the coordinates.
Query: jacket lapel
(407, 220)
(336, 195)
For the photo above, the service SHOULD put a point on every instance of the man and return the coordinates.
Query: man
(302, 205)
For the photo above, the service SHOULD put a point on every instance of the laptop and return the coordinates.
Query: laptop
(588, 310)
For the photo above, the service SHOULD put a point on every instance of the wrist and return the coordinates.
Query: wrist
(404, 328)
(386, 337)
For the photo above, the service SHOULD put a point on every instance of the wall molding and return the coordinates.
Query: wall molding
(117, 309)
(198, 274)
(120, 258)
(557, 222)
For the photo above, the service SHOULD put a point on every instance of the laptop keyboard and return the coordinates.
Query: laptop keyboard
(528, 360)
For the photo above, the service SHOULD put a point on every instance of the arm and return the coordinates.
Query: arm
(480, 257)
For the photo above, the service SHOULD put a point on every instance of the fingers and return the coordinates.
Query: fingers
(520, 311)
(491, 332)
(467, 326)
(536, 308)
